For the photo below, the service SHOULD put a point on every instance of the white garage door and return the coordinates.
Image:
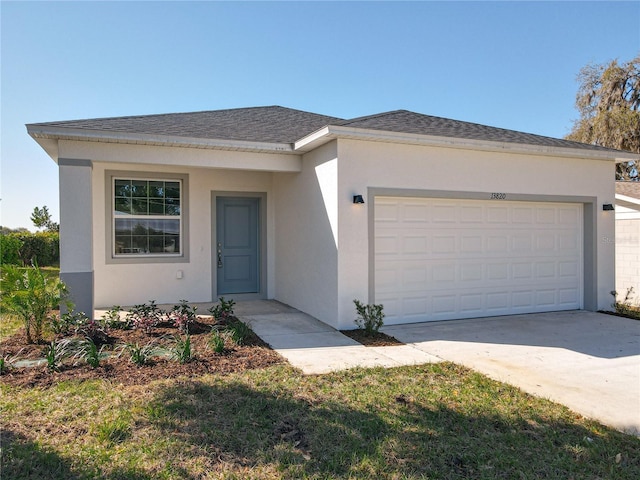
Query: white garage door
(441, 259)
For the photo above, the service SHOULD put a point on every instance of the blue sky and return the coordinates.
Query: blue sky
(506, 64)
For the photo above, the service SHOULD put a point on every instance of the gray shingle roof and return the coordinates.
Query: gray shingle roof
(628, 189)
(404, 121)
(277, 124)
(255, 124)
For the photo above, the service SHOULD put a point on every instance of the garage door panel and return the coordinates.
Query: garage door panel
(445, 259)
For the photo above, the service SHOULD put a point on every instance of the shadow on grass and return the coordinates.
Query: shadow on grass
(249, 429)
(23, 459)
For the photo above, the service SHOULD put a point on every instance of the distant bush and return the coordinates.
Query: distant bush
(27, 248)
(10, 250)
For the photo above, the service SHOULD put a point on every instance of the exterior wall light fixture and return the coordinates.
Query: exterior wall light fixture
(607, 207)
(358, 199)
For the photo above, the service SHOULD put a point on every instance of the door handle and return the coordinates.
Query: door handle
(219, 255)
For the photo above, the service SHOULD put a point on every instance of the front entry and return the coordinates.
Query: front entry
(237, 245)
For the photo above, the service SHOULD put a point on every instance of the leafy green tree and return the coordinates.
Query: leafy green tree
(31, 296)
(41, 218)
(608, 100)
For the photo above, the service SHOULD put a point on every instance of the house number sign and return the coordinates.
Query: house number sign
(498, 196)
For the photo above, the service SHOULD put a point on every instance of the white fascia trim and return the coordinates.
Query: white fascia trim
(626, 201)
(330, 132)
(61, 133)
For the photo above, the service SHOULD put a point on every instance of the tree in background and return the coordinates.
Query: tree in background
(608, 100)
(41, 218)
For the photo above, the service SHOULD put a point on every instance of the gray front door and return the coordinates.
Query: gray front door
(237, 244)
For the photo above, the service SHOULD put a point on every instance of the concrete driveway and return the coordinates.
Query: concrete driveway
(588, 361)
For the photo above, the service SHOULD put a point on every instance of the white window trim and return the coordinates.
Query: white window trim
(111, 256)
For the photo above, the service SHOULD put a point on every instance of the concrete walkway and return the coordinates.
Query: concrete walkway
(314, 347)
(587, 361)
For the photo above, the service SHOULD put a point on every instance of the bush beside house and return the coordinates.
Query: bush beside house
(25, 248)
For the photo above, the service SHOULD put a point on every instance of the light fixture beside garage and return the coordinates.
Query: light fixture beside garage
(607, 207)
(358, 199)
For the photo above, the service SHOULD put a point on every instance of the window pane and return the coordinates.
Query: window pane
(122, 188)
(171, 227)
(123, 244)
(156, 244)
(123, 226)
(140, 244)
(172, 206)
(139, 206)
(134, 232)
(156, 207)
(123, 206)
(156, 189)
(172, 190)
(139, 188)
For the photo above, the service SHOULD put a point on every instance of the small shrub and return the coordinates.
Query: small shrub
(626, 307)
(88, 351)
(111, 319)
(31, 296)
(183, 315)
(239, 331)
(57, 352)
(223, 311)
(65, 323)
(216, 340)
(145, 317)
(139, 355)
(182, 349)
(370, 317)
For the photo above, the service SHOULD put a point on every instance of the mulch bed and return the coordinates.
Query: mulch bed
(377, 339)
(254, 354)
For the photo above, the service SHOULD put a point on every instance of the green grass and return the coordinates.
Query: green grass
(436, 421)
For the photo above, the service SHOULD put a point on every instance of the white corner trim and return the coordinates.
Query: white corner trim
(626, 201)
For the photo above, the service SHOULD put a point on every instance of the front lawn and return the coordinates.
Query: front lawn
(438, 421)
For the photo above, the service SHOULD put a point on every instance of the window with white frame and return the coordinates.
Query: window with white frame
(147, 217)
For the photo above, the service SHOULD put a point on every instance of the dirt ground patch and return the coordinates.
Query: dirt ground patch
(117, 367)
(377, 339)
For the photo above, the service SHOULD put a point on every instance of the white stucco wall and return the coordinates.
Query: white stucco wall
(235, 172)
(364, 165)
(307, 223)
(628, 256)
(136, 283)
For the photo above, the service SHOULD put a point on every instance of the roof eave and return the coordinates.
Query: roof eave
(40, 133)
(331, 132)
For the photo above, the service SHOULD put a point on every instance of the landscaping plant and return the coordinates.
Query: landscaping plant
(183, 315)
(224, 310)
(238, 331)
(30, 295)
(370, 317)
(181, 350)
(57, 352)
(139, 355)
(111, 319)
(216, 340)
(625, 307)
(145, 316)
(88, 351)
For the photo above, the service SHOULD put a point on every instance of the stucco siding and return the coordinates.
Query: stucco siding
(127, 284)
(306, 233)
(365, 166)
(628, 256)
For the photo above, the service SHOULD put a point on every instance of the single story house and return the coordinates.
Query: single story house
(627, 238)
(434, 218)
